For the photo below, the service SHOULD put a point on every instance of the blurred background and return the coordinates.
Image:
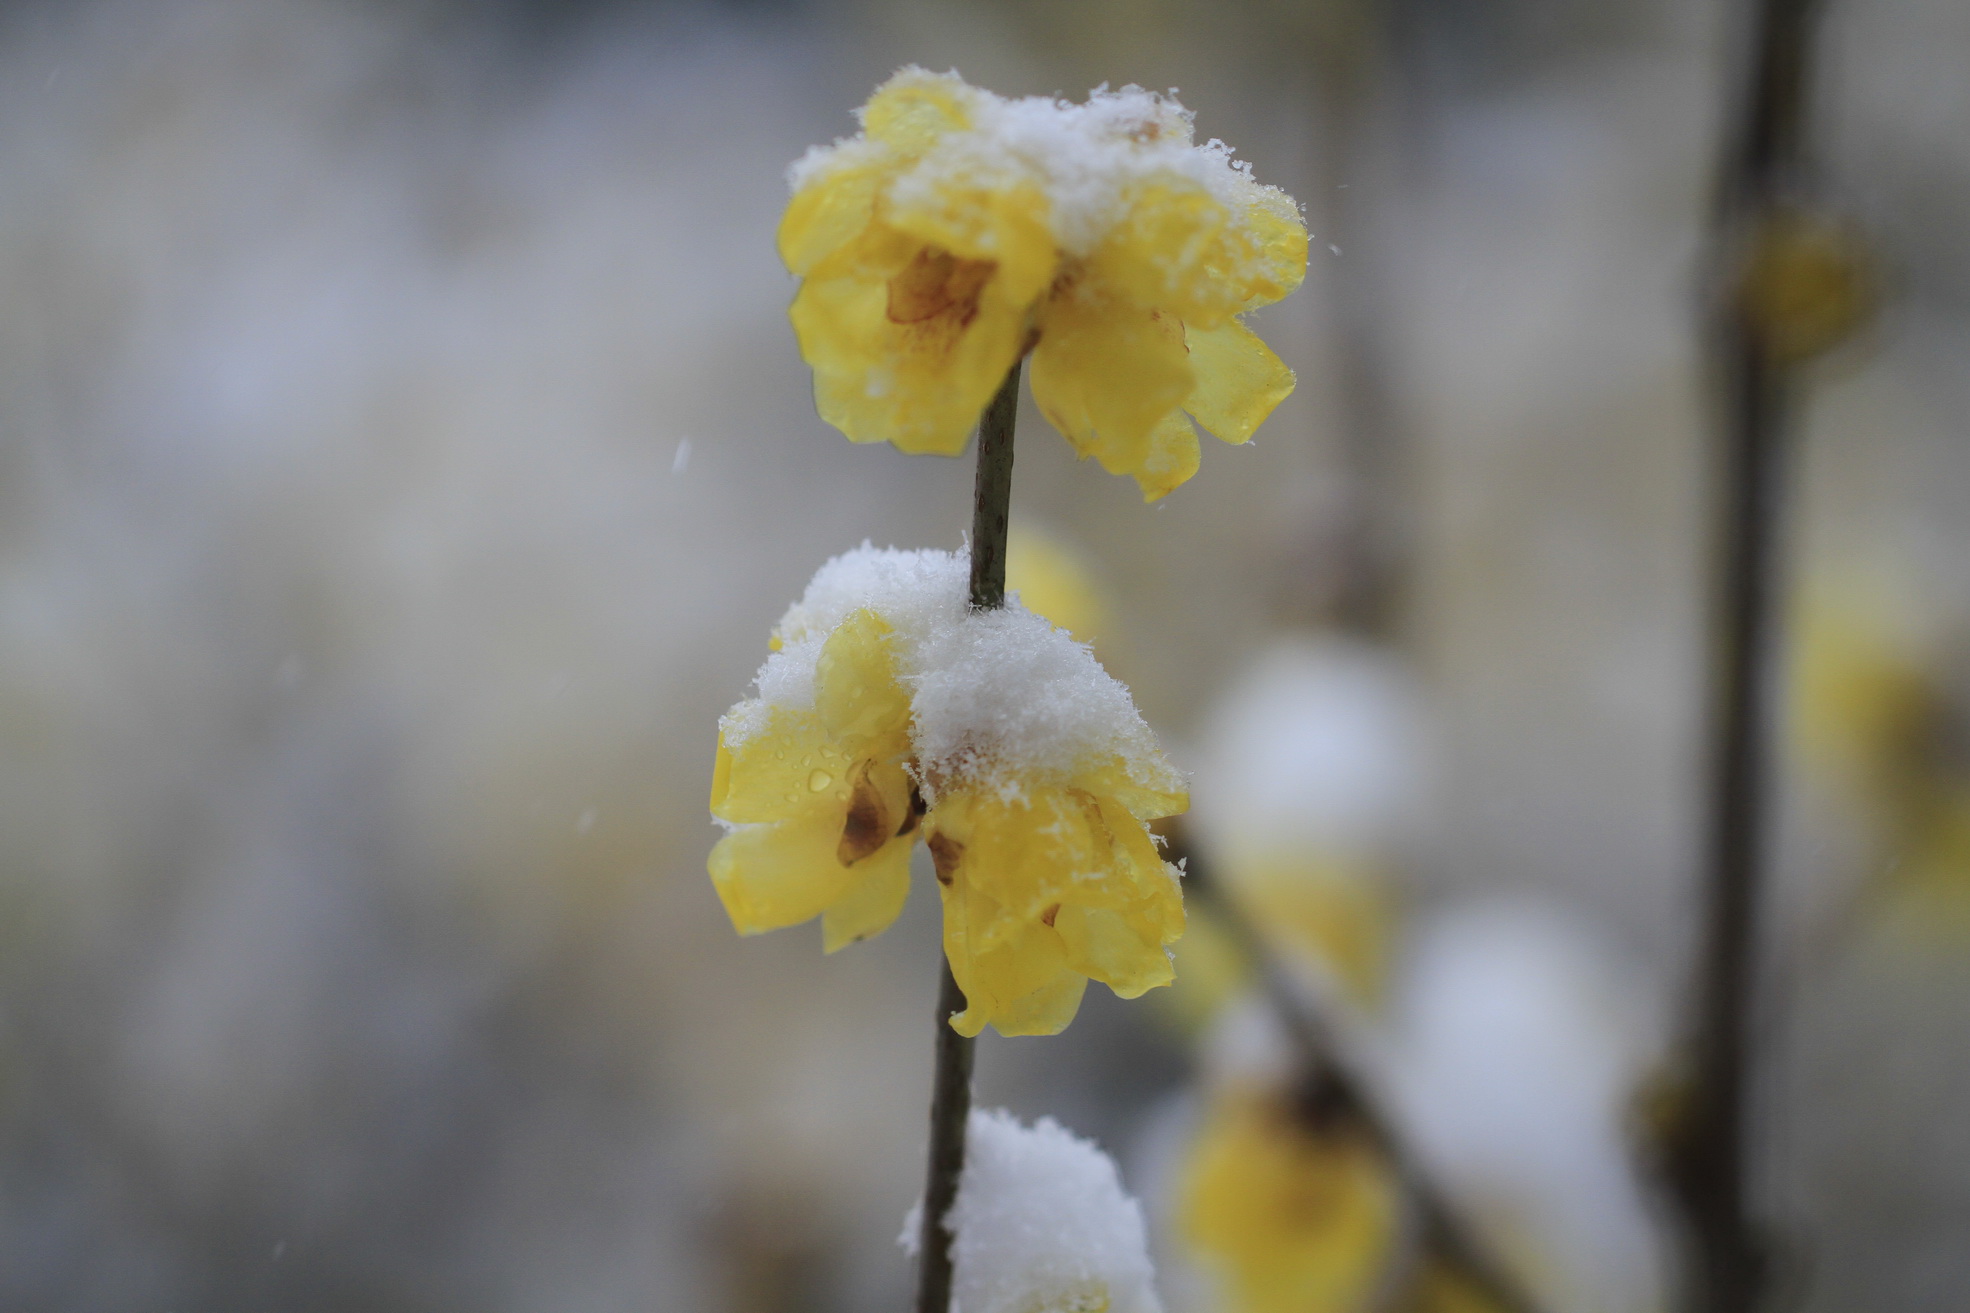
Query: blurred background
(404, 456)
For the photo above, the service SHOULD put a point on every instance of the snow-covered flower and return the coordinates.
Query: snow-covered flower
(891, 709)
(1042, 1225)
(1310, 770)
(960, 230)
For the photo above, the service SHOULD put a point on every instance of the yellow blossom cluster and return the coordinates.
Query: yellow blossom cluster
(961, 230)
(1048, 874)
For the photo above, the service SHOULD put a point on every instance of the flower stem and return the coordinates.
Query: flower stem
(950, 1094)
(992, 508)
(1710, 1155)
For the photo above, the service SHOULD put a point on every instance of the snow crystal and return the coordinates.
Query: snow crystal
(1042, 1225)
(1087, 158)
(997, 697)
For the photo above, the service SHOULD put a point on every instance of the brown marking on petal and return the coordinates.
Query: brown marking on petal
(1046, 917)
(945, 854)
(915, 813)
(937, 285)
(867, 827)
(1091, 812)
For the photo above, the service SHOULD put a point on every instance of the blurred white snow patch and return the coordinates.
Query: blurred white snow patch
(1247, 1047)
(1042, 1225)
(1517, 1040)
(1318, 745)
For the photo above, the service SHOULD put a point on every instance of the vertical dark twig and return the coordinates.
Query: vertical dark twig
(992, 507)
(1710, 1157)
(950, 1095)
(1365, 558)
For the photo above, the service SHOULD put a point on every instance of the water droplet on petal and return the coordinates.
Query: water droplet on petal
(819, 780)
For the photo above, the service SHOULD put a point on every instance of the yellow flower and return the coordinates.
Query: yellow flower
(961, 230)
(1285, 1214)
(994, 735)
(822, 806)
(1047, 888)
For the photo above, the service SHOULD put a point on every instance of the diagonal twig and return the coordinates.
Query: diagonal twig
(1342, 1092)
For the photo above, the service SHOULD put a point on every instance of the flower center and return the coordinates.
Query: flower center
(937, 284)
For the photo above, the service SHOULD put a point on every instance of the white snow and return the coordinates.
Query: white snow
(998, 698)
(1519, 1037)
(1042, 1225)
(1319, 745)
(1087, 158)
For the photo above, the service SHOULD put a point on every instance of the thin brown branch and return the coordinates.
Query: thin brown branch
(1338, 1090)
(950, 1097)
(1709, 1157)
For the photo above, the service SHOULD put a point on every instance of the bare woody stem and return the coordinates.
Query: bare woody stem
(992, 507)
(950, 1094)
(1709, 1156)
(1340, 1094)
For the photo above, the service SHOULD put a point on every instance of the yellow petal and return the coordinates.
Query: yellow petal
(1014, 974)
(915, 108)
(856, 693)
(873, 902)
(721, 777)
(1239, 380)
(832, 209)
(1102, 945)
(1274, 249)
(783, 771)
(1169, 458)
(1106, 374)
(772, 876)
(1166, 253)
(1149, 792)
(1058, 881)
(1047, 1010)
(904, 348)
(1181, 250)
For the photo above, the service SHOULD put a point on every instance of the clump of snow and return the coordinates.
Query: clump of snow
(1089, 159)
(1319, 745)
(1518, 1042)
(998, 698)
(1042, 1225)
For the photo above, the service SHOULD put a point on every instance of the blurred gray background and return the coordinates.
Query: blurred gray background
(404, 455)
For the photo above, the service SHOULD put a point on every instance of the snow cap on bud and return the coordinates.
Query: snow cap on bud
(1042, 1225)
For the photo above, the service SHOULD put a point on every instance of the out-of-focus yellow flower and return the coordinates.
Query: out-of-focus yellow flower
(994, 735)
(1439, 1289)
(961, 230)
(1867, 707)
(1324, 914)
(1806, 285)
(822, 800)
(1287, 1216)
(1863, 705)
(1047, 888)
(1324, 909)
(1052, 580)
